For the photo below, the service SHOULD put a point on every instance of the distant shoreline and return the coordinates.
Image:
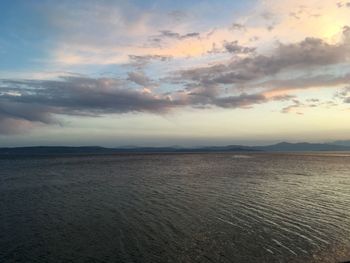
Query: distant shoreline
(96, 150)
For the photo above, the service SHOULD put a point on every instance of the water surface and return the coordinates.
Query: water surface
(224, 207)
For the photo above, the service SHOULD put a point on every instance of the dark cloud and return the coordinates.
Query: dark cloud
(165, 35)
(29, 112)
(288, 66)
(203, 97)
(140, 61)
(38, 101)
(149, 57)
(241, 101)
(139, 78)
(19, 117)
(170, 34)
(245, 100)
(307, 54)
(311, 52)
(231, 47)
(234, 47)
(174, 35)
(77, 95)
(189, 35)
(30, 102)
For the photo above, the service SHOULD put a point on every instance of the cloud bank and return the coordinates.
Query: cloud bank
(165, 61)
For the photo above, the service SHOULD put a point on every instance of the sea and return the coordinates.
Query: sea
(193, 207)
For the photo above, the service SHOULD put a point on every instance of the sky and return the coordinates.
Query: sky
(185, 72)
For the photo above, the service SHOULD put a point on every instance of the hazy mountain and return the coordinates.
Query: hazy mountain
(44, 150)
(279, 147)
(342, 143)
(296, 147)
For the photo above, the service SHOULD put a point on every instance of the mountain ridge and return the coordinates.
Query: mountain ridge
(278, 147)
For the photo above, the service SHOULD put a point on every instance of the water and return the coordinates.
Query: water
(176, 208)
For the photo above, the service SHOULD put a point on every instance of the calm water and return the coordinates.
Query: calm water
(176, 208)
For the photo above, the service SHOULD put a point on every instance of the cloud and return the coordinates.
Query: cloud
(105, 33)
(260, 78)
(343, 4)
(166, 37)
(25, 111)
(31, 102)
(311, 53)
(252, 79)
(306, 81)
(20, 117)
(26, 102)
(343, 94)
(38, 101)
(215, 64)
(80, 95)
(171, 34)
(233, 47)
(13, 126)
(293, 107)
(241, 101)
(140, 61)
(237, 26)
(139, 78)
(298, 106)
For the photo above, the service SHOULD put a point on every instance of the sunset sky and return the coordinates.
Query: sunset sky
(189, 73)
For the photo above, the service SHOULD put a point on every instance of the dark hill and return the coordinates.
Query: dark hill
(66, 150)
